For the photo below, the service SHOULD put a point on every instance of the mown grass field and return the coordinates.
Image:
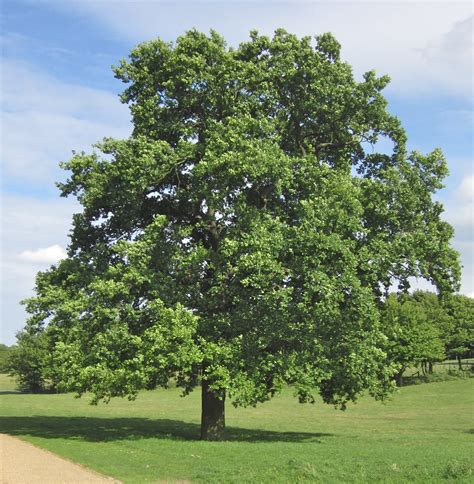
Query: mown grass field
(424, 434)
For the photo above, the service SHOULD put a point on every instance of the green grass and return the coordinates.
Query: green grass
(424, 434)
(7, 384)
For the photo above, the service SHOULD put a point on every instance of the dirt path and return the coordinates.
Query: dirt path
(23, 463)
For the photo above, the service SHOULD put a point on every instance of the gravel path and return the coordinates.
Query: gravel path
(23, 463)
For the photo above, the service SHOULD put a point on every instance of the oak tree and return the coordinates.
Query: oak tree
(242, 237)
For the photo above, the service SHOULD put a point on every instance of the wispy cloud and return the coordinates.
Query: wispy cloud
(466, 188)
(47, 255)
(450, 56)
(460, 209)
(33, 234)
(413, 42)
(460, 214)
(45, 118)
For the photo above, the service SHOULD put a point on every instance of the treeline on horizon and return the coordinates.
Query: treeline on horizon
(420, 331)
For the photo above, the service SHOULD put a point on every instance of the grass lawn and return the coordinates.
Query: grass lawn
(424, 434)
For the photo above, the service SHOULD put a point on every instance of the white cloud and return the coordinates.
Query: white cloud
(455, 45)
(27, 88)
(423, 46)
(26, 221)
(460, 214)
(466, 188)
(43, 119)
(450, 56)
(48, 255)
(460, 209)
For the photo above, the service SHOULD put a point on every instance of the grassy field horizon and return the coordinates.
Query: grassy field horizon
(423, 434)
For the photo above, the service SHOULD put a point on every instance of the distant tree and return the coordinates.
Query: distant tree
(242, 237)
(459, 338)
(4, 355)
(437, 315)
(413, 338)
(30, 361)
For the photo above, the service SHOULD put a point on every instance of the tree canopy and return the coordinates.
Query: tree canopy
(243, 236)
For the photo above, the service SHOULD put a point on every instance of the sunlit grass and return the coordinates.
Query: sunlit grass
(424, 434)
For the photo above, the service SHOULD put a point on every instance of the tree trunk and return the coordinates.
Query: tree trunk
(430, 368)
(213, 413)
(399, 378)
(459, 362)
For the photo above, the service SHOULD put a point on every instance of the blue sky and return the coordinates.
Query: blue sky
(58, 94)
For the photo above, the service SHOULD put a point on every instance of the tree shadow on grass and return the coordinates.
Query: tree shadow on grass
(93, 429)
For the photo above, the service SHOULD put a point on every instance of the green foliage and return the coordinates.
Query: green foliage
(459, 333)
(4, 356)
(30, 362)
(412, 337)
(230, 239)
(453, 316)
(423, 328)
